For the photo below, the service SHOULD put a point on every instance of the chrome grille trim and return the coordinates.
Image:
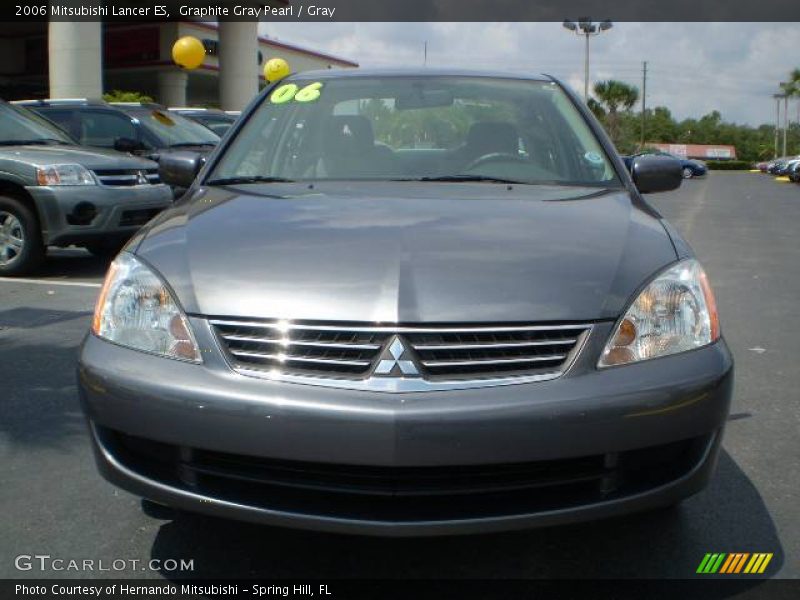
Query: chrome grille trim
(448, 357)
(499, 361)
(397, 328)
(285, 343)
(285, 358)
(498, 345)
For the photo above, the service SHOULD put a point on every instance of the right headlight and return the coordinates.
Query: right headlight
(676, 312)
(64, 175)
(137, 310)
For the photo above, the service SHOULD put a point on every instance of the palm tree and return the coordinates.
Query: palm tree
(615, 95)
(794, 82)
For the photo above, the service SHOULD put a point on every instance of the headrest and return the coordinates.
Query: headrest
(349, 134)
(486, 137)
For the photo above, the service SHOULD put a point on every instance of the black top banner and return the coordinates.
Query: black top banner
(400, 10)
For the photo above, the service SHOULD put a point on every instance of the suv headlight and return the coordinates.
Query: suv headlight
(676, 312)
(137, 310)
(64, 175)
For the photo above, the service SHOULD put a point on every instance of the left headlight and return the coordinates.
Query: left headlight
(674, 313)
(137, 310)
(64, 175)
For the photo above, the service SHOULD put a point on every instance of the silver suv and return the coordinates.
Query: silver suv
(56, 193)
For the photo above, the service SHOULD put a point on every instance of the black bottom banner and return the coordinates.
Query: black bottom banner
(336, 589)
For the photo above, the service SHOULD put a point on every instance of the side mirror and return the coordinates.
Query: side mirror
(653, 173)
(124, 144)
(179, 168)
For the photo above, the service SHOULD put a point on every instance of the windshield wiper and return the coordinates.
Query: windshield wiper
(467, 178)
(190, 144)
(249, 179)
(38, 142)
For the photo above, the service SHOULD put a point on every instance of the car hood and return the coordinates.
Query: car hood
(407, 252)
(91, 158)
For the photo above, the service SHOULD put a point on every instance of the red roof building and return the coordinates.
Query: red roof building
(699, 151)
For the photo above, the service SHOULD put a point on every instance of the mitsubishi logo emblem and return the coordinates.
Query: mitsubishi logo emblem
(141, 178)
(396, 361)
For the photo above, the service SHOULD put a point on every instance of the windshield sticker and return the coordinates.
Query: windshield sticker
(290, 91)
(594, 158)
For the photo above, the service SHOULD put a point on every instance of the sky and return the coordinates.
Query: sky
(693, 68)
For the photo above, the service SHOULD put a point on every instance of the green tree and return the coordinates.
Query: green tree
(596, 108)
(123, 96)
(614, 96)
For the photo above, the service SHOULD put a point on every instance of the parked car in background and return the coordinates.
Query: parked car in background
(793, 170)
(143, 129)
(689, 167)
(216, 120)
(783, 166)
(54, 192)
(762, 166)
(410, 302)
(777, 166)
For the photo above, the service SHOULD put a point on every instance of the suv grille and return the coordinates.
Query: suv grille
(441, 352)
(127, 177)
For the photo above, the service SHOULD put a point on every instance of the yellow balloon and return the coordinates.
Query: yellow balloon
(276, 69)
(188, 52)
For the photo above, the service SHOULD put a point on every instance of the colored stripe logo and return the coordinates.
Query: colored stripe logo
(734, 562)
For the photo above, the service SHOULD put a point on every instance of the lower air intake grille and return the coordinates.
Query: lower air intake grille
(440, 352)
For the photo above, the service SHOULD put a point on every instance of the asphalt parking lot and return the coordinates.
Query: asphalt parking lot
(743, 227)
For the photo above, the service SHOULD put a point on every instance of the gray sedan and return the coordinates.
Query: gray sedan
(409, 303)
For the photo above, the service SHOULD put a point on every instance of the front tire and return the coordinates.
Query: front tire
(21, 248)
(688, 173)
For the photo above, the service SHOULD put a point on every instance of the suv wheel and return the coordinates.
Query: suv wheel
(21, 248)
(688, 173)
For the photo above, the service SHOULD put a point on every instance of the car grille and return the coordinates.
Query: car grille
(127, 177)
(441, 352)
(406, 493)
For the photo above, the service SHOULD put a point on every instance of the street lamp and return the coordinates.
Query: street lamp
(786, 90)
(778, 98)
(585, 27)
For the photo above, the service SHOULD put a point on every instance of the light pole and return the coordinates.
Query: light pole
(585, 27)
(786, 89)
(777, 120)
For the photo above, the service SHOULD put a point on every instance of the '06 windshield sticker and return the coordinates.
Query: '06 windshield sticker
(290, 91)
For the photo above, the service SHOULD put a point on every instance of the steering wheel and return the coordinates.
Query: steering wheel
(494, 157)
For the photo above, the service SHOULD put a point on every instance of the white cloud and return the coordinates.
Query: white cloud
(693, 67)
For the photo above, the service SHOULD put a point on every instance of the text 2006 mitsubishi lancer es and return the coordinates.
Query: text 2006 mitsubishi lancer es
(409, 303)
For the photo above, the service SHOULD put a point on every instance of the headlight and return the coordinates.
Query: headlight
(64, 175)
(137, 310)
(676, 312)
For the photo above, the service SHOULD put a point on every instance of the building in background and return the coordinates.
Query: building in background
(85, 59)
(698, 151)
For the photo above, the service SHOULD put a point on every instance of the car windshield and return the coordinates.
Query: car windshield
(172, 129)
(427, 128)
(19, 125)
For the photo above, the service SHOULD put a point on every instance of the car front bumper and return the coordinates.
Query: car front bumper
(591, 444)
(116, 211)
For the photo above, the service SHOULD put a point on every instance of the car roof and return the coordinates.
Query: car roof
(416, 72)
(73, 102)
(197, 110)
(61, 102)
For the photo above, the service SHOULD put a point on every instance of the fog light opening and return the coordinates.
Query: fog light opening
(83, 213)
